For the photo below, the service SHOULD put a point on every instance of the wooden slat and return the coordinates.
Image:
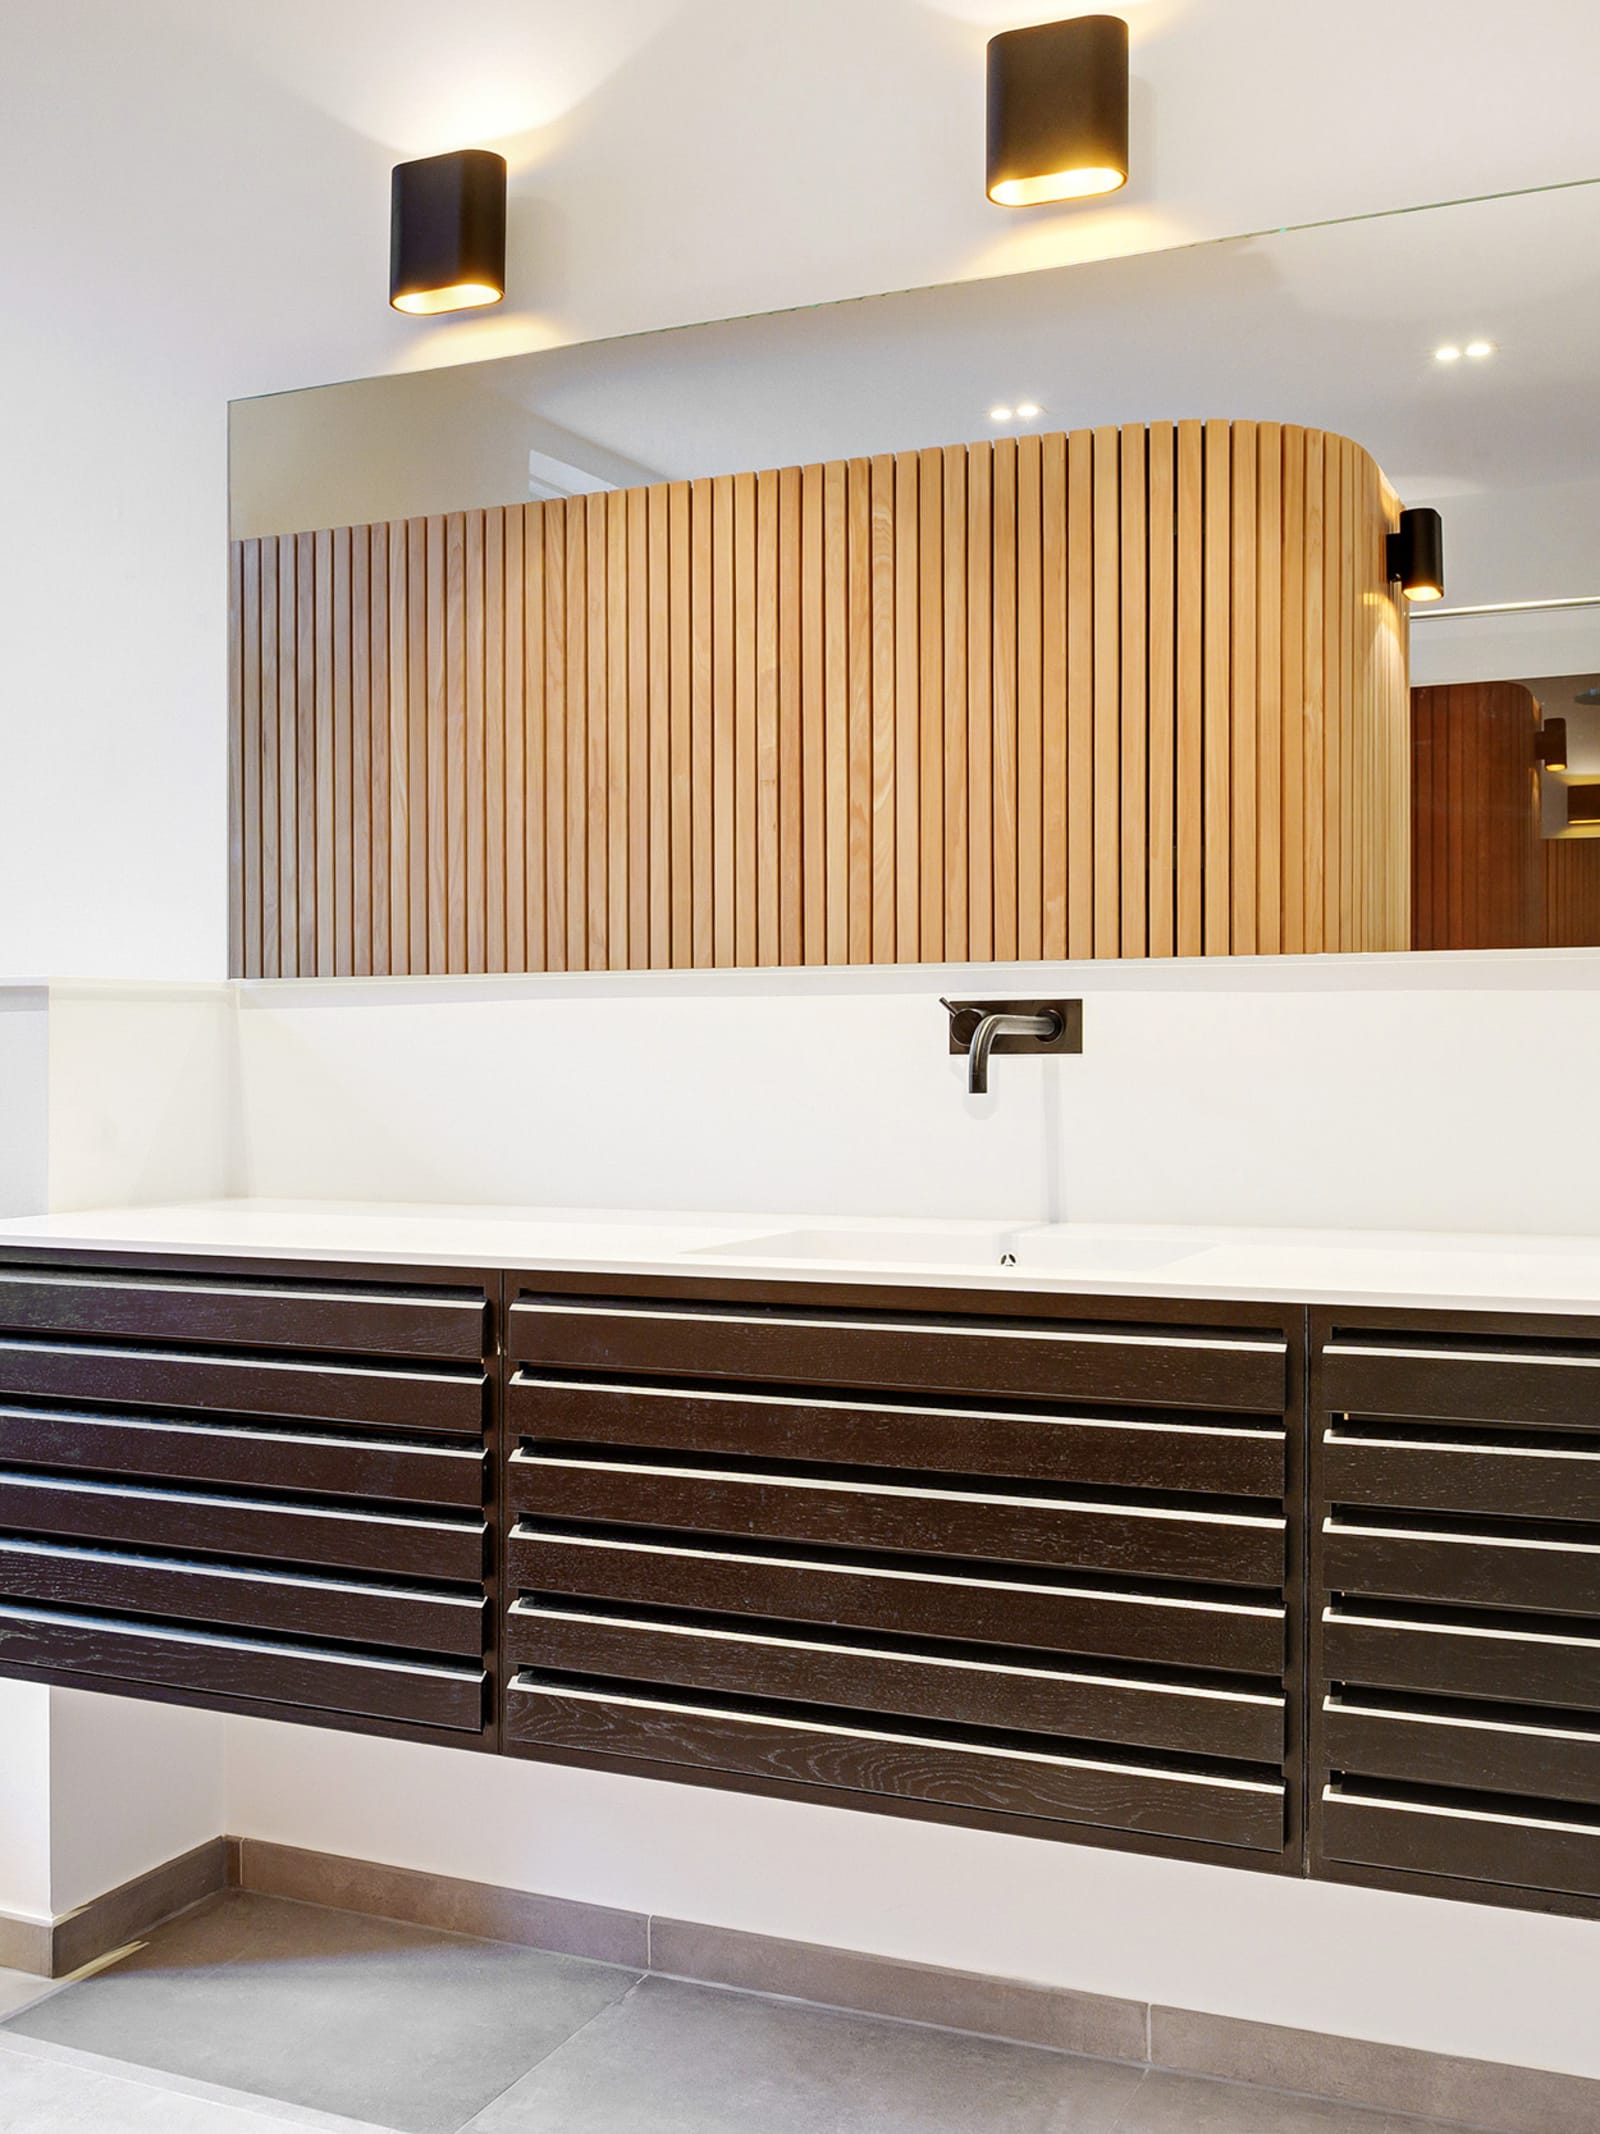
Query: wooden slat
(681, 671)
(1216, 717)
(907, 671)
(1269, 687)
(1244, 704)
(791, 789)
(1135, 691)
(305, 756)
(746, 624)
(504, 855)
(662, 616)
(702, 749)
(930, 518)
(834, 856)
(1054, 688)
(475, 791)
(1003, 685)
(1191, 690)
(766, 908)
(813, 723)
(883, 712)
(360, 787)
(1160, 683)
(1030, 697)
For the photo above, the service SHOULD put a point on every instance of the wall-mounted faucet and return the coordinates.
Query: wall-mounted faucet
(979, 1027)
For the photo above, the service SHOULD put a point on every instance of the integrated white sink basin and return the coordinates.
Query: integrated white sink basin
(948, 1246)
(1045, 1248)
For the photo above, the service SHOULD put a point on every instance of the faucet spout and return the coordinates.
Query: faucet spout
(999, 1023)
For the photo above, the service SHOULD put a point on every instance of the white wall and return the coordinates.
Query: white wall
(1357, 1092)
(24, 1099)
(1453, 1978)
(202, 214)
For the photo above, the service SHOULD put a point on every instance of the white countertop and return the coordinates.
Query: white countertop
(1414, 1268)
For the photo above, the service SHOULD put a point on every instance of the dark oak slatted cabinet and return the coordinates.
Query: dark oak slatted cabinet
(1029, 1567)
(265, 1488)
(1455, 1730)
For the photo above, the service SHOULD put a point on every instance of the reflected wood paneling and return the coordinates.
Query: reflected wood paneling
(1479, 866)
(1121, 693)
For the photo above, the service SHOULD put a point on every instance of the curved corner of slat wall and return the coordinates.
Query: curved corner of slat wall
(1123, 692)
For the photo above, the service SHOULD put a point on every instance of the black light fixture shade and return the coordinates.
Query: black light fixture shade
(1058, 111)
(1550, 745)
(447, 232)
(1416, 555)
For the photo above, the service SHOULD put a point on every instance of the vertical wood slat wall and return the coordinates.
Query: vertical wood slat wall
(1134, 692)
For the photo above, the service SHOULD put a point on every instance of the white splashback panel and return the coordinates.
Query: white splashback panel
(1447, 1092)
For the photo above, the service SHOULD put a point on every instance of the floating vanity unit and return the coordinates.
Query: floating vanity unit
(1304, 1586)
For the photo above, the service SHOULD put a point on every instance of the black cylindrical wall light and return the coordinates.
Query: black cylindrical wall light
(1416, 555)
(447, 232)
(1058, 111)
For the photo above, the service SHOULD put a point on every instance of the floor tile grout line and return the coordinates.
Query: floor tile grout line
(544, 2059)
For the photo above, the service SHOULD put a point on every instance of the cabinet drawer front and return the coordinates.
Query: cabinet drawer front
(1501, 1480)
(413, 1399)
(1426, 1381)
(172, 1450)
(1224, 1635)
(1480, 1845)
(1018, 1695)
(108, 1651)
(1040, 1360)
(1494, 1753)
(918, 1767)
(1559, 1578)
(406, 1619)
(1524, 1666)
(198, 1309)
(187, 1521)
(1132, 1453)
(1236, 1548)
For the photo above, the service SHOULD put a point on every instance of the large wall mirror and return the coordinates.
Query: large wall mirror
(1039, 616)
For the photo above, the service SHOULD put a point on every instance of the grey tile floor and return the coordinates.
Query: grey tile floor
(249, 2014)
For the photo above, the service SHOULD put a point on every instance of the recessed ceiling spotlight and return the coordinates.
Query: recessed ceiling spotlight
(1000, 414)
(1448, 354)
(1479, 349)
(1028, 411)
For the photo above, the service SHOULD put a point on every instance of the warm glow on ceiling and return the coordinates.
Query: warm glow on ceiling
(1056, 185)
(460, 296)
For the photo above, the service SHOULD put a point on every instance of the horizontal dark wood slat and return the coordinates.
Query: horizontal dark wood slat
(402, 1398)
(1143, 1454)
(1233, 1549)
(140, 1654)
(190, 1523)
(1185, 1633)
(1490, 1753)
(1431, 1381)
(1019, 1697)
(1493, 1573)
(1151, 1368)
(266, 1459)
(1499, 1480)
(349, 1610)
(226, 1310)
(1003, 1780)
(1480, 1847)
(1529, 1668)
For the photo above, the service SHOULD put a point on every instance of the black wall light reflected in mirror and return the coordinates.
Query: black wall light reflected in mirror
(1058, 111)
(447, 232)
(1550, 745)
(1416, 555)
